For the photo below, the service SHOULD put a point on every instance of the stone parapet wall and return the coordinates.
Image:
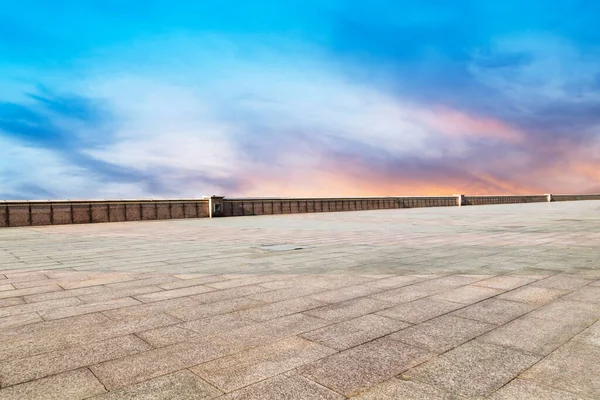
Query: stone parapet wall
(487, 200)
(60, 212)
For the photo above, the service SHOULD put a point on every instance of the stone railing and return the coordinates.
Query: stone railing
(58, 212)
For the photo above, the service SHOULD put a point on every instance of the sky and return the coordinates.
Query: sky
(105, 99)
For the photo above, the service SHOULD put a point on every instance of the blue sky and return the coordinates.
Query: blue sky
(126, 99)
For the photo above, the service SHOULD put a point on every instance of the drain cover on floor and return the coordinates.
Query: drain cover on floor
(281, 247)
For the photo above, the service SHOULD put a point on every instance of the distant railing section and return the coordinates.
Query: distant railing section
(60, 212)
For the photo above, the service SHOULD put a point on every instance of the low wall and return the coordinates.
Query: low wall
(239, 207)
(58, 212)
(486, 200)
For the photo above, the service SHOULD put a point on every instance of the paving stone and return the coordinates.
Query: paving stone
(348, 309)
(420, 310)
(118, 293)
(150, 364)
(406, 390)
(13, 301)
(171, 294)
(573, 367)
(346, 293)
(591, 335)
(562, 282)
(208, 310)
(288, 386)
(271, 296)
(64, 294)
(570, 311)
(587, 294)
(442, 333)
(225, 294)
(356, 331)
(530, 390)
(181, 283)
(494, 311)
(33, 307)
(217, 324)
(534, 335)
(352, 371)
(242, 369)
(423, 289)
(473, 370)
(251, 280)
(533, 295)
(28, 291)
(6, 287)
(39, 366)
(168, 335)
(467, 294)
(279, 309)
(178, 385)
(141, 310)
(505, 282)
(394, 282)
(87, 308)
(19, 320)
(75, 385)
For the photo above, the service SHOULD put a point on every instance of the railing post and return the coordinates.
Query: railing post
(548, 197)
(460, 199)
(215, 206)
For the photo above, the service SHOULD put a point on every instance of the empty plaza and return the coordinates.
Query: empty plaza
(499, 302)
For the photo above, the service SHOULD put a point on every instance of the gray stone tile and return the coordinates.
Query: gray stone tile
(420, 310)
(533, 295)
(79, 384)
(406, 390)
(178, 385)
(473, 370)
(467, 294)
(442, 333)
(353, 371)
(288, 386)
(39, 366)
(494, 311)
(573, 367)
(356, 331)
(348, 309)
(533, 335)
(505, 282)
(248, 367)
(530, 390)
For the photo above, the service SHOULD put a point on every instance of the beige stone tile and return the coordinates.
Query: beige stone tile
(242, 369)
(226, 294)
(118, 293)
(288, 386)
(13, 321)
(75, 385)
(171, 294)
(168, 335)
(349, 309)
(40, 306)
(505, 282)
(141, 310)
(39, 366)
(355, 370)
(211, 309)
(395, 389)
(587, 294)
(533, 335)
(570, 311)
(467, 294)
(217, 324)
(346, 293)
(282, 308)
(528, 390)
(64, 294)
(13, 301)
(442, 333)
(473, 370)
(394, 282)
(181, 283)
(420, 310)
(533, 295)
(562, 282)
(252, 280)
(494, 311)
(178, 385)
(356, 331)
(272, 296)
(88, 308)
(29, 291)
(7, 286)
(573, 367)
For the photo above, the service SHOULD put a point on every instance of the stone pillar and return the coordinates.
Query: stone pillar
(548, 197)
(215, 206)
(460, 199)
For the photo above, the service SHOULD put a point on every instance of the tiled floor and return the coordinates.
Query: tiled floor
(443, 303)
